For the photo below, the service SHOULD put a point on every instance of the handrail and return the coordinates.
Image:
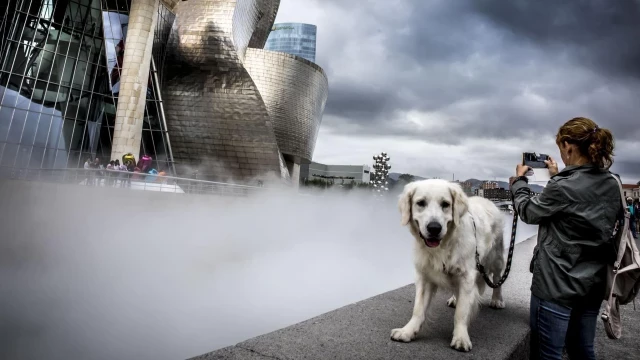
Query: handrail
(127, 179)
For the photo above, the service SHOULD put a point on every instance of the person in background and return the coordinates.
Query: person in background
(110, 176)
(100, 173)
(576, 212)
(129, 168)
(88, 165)
(637, 210)
(633, 217)
(119, 177)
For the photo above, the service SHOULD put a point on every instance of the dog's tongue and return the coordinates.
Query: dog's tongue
(432, 242)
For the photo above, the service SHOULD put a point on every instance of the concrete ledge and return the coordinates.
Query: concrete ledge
(361, 330)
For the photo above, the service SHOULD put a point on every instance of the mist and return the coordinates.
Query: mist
(120, 274)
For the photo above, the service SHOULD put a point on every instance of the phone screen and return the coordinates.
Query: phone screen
(539, 175)
(539, 171)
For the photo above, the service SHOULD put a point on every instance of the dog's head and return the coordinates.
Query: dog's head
(432, 208)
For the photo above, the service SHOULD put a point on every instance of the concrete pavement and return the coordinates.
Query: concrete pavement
(628, 346)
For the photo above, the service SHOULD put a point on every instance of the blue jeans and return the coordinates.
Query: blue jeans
(554, 327)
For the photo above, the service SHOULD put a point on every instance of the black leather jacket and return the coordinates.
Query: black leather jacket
(576, 213)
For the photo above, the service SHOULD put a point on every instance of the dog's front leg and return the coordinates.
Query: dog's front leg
(467, 302)
(425, 291)
(496, 299)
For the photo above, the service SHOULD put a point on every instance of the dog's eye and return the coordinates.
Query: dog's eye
(445, 204)
(421, 203)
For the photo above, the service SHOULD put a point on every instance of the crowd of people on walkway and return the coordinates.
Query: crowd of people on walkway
(120, 174)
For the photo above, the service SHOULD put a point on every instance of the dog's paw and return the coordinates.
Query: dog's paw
(497, 304)
(452, 301)
(403, 335)
(461, 343)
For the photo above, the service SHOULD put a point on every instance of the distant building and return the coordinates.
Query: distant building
(467, 187)
(293, 38)
(489, 185)
(631, 190)
(339, 174)
(499, 194)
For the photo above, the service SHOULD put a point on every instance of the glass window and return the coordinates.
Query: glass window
(6, 114)
(67, 71)
(37, 154)
(17, 125)
(42, 133)
(75, 159)
(62, 98)
(28, 30)
(22, 156)
(30, 126)
(77, 135)
(61, 159)
(48, 160)
(9, 56)
(9, 154)
(79, 74)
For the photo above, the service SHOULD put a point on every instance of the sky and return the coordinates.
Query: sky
(461, 88)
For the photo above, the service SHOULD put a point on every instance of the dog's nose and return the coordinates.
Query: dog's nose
(434, 228)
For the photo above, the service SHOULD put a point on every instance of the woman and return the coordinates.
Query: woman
(576, 213)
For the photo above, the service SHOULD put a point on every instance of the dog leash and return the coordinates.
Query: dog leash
(512, 245)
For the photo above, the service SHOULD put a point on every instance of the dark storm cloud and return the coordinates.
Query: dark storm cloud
(490, 69)
(354, 102)
(598, 33)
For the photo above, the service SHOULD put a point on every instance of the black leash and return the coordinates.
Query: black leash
(512, 244)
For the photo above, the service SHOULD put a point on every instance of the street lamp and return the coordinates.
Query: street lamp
(380, 174)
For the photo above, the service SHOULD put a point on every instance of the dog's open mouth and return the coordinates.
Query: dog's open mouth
(430, 241)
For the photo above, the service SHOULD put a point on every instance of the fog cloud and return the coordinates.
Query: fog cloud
(121, 274)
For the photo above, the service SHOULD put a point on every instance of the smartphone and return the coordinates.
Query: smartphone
(539, 171)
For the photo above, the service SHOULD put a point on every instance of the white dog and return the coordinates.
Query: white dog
(448, 227)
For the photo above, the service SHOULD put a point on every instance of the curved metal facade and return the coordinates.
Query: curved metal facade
(217, 119)
(268, 12)
(295, 91)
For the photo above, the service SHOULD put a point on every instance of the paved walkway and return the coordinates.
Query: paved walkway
(361, 330)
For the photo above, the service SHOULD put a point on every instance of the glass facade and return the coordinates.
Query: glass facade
(59, 83)
(293, 38)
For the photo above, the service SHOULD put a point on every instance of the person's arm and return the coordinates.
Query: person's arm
(533, 210)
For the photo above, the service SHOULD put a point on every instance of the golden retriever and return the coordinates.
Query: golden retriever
(449, 227)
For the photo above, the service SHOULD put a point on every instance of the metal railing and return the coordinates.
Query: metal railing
(128, 180)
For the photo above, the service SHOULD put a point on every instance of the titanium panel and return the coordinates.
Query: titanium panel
(268, 12)
(218, 121)
(295, 91)
(246, 16)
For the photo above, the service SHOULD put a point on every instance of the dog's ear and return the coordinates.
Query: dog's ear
(404, 203)
(460, 204)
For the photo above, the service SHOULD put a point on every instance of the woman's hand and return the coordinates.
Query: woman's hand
(552, 165)
(522, 170)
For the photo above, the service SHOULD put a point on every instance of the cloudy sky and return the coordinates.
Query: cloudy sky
(465, 86)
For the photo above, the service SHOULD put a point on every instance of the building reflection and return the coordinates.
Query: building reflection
(59, 83)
